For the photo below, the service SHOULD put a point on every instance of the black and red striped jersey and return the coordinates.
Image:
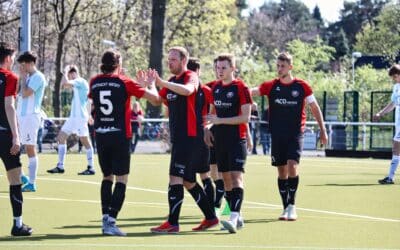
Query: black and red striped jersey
(286, 104)
(8, 87)
(228, 100)
(183, 122)
(111, 95)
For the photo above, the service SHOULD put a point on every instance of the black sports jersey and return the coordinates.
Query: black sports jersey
(228, 100)
(183, 122)
(111, 99)
(8, 87)
(286, 104)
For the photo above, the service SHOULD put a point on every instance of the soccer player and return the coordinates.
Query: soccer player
(9, 137)
(136, 118)
(185, 132)
(394, 73)
(77, 123)
(287, 97)
(111, 93)
(29, 105)
(232, 103)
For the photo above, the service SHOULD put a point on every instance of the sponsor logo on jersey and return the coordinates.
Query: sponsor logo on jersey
(229, 94)
(278, 88)
(284, 102)
(220, 104)
(295, 93)
(172, 96)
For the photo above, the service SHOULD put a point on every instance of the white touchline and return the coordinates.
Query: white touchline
(249, 202)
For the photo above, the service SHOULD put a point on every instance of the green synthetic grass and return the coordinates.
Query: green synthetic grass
(340, 206)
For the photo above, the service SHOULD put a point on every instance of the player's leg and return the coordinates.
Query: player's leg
(89, 156)
(62, 151)
(389, 179)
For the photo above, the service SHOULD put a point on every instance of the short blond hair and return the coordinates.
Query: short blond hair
(184, 54)
(285, 57)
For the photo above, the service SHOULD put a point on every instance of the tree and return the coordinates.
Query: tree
(382, 37)
(156, 45)
(317, 16)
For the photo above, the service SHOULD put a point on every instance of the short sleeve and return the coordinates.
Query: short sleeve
(191, 78)
(163, 93)
(265, 88)
(133, 88)
(36, 82)
(307, 88)
(11, 85)
(207, 94)
(244, 95)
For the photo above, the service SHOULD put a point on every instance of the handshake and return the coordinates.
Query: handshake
(148, 78)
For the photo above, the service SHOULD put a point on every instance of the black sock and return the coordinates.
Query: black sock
(236, 199)
(175, 200)
(228, 197)
(209, 190)
(283, 191)
(117, 199)
(200, 197)
(16, 199)
(219, 192)
(293, 184)
(106, 194)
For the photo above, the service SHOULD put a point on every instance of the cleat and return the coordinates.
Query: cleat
(21, 231)
(56, 170)
(165, 228)
(386, 180)
(240, 223)
(29, 188)
(206, 224)
(291, 211)
(104, 223)
(284, 215)
(24, 180)
(227, 210)
(112, 230)
(229, 225)
(88, 171)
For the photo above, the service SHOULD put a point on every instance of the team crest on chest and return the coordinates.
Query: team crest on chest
(229, 94)
(295, 93)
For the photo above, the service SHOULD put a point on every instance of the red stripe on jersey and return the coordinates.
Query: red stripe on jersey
(190, 78)
(11, 82)
(244, 98)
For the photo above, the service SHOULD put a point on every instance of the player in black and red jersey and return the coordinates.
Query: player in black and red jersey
(9, 137)
(232, 103)
(287, 97)
(180, 93)
(111, 94)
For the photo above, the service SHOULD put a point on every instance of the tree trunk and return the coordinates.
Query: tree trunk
(56, 94)
(156, 47)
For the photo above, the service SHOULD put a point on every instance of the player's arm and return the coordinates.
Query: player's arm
(25, 90)
(244, 117)
(249, 138)
(384, 111)
(181, 89)
(208, 135)
(152, 96)
(255, 91)
(316, 111)
(12, 121)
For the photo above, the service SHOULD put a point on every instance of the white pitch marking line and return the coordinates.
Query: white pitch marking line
(250, 202)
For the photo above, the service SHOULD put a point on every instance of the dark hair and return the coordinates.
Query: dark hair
(193, 64)
(5, 50)
(73, 69)
(27, 57)
(110, 61)
(227, 57)
(285, 57)
(394, 70)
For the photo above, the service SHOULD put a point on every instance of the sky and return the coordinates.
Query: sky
(329, 8)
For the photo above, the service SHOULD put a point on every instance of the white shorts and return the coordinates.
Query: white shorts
(76, 126)
(396, 136)
(28, 126)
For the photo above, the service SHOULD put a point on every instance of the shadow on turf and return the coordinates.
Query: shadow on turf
(346, 185)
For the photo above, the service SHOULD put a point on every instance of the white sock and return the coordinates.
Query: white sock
(393, 166)
(33, 166)
(234, 217)
(62, 150)
(18, 221)
(89, 156)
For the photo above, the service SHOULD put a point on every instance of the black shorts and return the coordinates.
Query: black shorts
(182, 159)
(202, 158)
(286, 147)
(10, 161)
(113, 150)
(213, 159)
(231, 156)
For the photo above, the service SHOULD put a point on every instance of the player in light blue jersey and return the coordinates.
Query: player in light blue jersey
(77, 122)
(32, 86)
(394, 73)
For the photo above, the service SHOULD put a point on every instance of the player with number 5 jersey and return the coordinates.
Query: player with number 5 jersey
(111, 93)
